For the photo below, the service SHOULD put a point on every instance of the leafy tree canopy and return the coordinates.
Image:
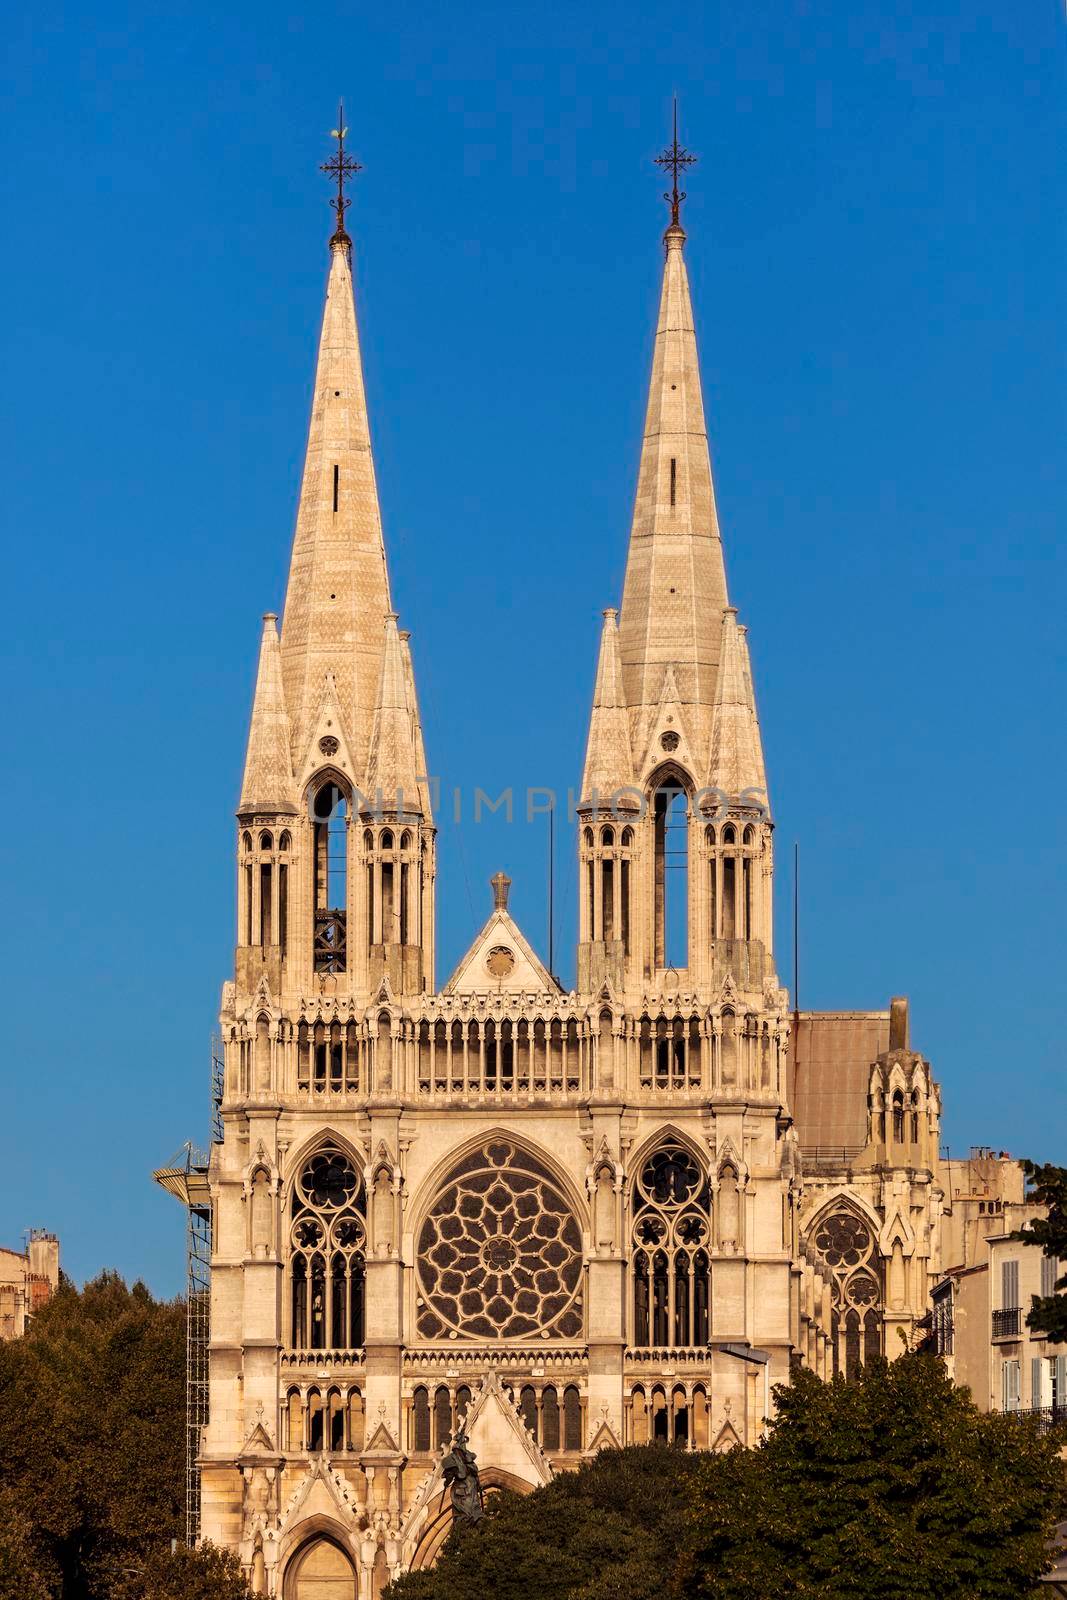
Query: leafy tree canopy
(92, 1417)
(1048, 1188)
(206, 1573)
(609, 1531)
(891, 1487)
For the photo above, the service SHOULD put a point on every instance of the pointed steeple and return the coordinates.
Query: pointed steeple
(338, 593)
(608, 757)
(422, 772)
(736, 764)
(267, 787)
(675, 588)
(392, 768)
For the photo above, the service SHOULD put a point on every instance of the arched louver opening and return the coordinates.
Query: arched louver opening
(670, 822)
(329, 815)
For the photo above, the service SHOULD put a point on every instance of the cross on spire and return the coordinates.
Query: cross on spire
(675, 159)
(341, 167)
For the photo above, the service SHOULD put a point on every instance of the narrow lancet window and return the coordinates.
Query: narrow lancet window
(330, 817)
(671, 883)
(336, 486)
(674, 481)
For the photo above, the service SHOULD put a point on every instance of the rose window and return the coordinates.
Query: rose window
(500, 1254)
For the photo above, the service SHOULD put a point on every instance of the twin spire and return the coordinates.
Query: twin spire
(341, 676)
(668, 680)
(673, 675)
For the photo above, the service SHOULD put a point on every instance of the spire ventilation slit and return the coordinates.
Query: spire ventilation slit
(336, 486)
(674, 481)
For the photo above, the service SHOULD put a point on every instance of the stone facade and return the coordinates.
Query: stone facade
(577, 1219)
(28, 1280)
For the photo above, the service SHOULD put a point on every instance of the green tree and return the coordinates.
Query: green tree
(20, 1576)
(891, 1487)
(609, 1531)
(206, 1573)
(92, 1414)
(1047, 1186)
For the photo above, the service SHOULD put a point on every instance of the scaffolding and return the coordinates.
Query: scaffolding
(186, 1178)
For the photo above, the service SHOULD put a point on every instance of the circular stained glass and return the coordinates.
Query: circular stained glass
(500, 1254)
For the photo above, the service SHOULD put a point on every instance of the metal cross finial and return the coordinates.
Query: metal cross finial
(340, 167)
(675, 159)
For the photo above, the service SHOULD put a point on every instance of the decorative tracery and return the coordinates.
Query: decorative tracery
(500, 1253)
(670, 1240)
(327, 1241)
(846, 1244)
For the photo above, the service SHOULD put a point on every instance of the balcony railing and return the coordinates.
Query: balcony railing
(1007, 1323)
(1047, 1418)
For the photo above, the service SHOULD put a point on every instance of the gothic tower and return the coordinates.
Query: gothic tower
(564, 1219)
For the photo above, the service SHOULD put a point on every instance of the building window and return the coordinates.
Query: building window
(500, 1252)
(669, 1268)
(670, 814)
(327, 1241)
(330, 821)
(846, 1243)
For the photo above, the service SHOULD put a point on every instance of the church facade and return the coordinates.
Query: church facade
(565, 1219)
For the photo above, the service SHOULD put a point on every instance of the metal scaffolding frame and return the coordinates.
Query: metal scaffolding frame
(186, 1178)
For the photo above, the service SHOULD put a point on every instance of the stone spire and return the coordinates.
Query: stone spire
(675, 589)
(736, 764)
(392, 763)
(608, 757)
(422, 771)
(267, 787)
(338, 593)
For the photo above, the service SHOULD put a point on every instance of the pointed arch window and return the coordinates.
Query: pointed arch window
(670, 818)
(326, 1262)
(669, 1266)
(329, 815)
(845, 1242)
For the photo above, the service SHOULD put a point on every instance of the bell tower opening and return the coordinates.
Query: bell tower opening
(329, 816)
(670, 818)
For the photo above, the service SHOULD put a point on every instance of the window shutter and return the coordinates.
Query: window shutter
(1009, 1284)
(1037, 1376)
(1049, 1273)
(1058, 1364)
(1010, 1386)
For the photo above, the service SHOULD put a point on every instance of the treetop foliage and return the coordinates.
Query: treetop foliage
(92, 1440)
(1047, 1186)
(890, 1487)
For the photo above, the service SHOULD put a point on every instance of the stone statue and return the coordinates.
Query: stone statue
(460, 1473)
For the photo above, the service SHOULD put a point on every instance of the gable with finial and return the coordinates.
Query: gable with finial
(501, 960)
(328, 745)
(668, 740)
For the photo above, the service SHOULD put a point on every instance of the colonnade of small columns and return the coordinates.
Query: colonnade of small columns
(669, 1413)
(263, 887)
(492, 1057)
(314, 1419)
(377, 880)
(728, 881)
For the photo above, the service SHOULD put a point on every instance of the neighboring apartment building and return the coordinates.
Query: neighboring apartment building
(979, 1326)
(28, 1279)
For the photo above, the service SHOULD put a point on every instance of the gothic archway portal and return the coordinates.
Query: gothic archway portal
(321, 1571)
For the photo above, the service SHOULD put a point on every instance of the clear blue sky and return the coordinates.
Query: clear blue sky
(877, 256)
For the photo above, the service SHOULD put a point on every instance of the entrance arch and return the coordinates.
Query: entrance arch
(320, 1570)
